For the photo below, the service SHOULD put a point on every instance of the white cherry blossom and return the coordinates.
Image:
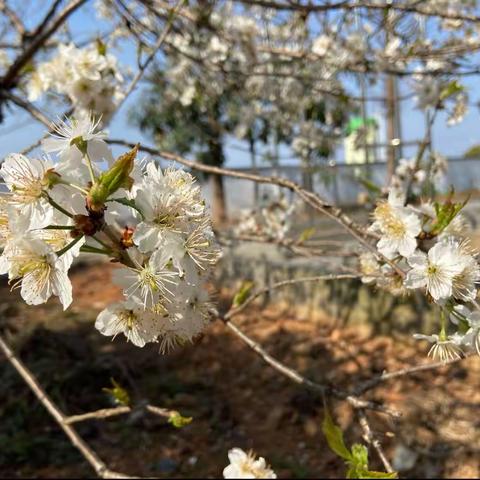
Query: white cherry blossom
(27, 182)
(398, 227)
(69, 133)
(39, 272)
(148, 282)
(436, 270)
(130, 318)
(246, 465)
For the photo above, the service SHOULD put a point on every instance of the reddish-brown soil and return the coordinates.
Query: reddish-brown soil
(235, 399)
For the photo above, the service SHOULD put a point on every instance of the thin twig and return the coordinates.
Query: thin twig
(293, 375)
(415, 8)
(371, 438)
(161, 412)
(113, 412)
(10, 77)
(90, 456)
(150, 58)
(29, 107)
(13, 17)
(294, 246)
(98, 414)
(308, 197)
(284, 283)
(404, 372)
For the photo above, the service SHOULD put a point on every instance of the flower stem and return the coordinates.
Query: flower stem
(73, 185)
(90, 249)
(443, 332)
(59, 227)
(54, 204)
(90, 167)
(102, 243)
(69, 246)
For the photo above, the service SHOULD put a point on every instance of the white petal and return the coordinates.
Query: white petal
(62, 287)
(415, 279)
(33, 292)
(146, 237)
(407, 246)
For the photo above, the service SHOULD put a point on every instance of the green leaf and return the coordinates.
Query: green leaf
(119, 394)
(352, 472)
(450, 89)
(446, 212)
(307, 234)
(357, 459)
(334, 436)
(116, 177)
(360, 455)
(178, 421)
(242, 293)
(373, 474)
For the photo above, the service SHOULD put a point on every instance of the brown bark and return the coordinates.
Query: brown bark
(390, 104)
(219, 215)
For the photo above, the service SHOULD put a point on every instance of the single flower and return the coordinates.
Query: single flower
(245, 465)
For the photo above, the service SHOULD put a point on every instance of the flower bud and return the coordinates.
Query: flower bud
(116, 177)
(127, 237)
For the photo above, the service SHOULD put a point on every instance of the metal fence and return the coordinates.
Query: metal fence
(339, 183)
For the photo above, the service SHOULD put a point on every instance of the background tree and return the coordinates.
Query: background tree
(196, 127)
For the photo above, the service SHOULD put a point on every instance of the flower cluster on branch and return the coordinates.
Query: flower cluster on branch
(152, 222)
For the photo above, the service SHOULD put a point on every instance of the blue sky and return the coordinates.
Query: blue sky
(19, 131)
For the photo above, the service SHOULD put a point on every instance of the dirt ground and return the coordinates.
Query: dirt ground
(234, 398)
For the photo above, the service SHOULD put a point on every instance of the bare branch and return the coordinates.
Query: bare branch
(161, 412)
(113, 412)
(293, 375)
(98, 414)
(310, 198)
(371, 438)
(284, 283)
(29, 107)
(10, 78)
(404, 372)
(348, 6)
(13, 17)
(152, 55)
(90, 456)
(295, 246)
(48, 16)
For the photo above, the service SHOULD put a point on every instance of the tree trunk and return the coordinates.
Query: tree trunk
(390, 104)
(218, 200)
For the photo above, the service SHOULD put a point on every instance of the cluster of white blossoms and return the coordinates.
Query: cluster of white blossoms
(424, 247)
(245, 465)
(154, 224)
(272, 218)
(88, 77)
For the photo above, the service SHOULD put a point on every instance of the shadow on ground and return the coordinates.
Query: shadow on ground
(234, 398)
